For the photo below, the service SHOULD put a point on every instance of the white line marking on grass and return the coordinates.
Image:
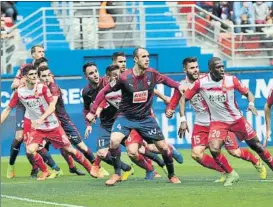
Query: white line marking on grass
(38, 201)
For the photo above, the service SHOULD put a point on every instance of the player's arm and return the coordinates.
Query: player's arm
(18, 80)
(164, 98)
(267, 112)
(13, 102)
(247, 93)
(102, 105)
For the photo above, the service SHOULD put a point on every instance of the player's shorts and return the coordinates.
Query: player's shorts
(200, 136)
(134, 137)
(147, 128)
(56, 137)
(103, 138)
(241, 128)
(19, 115)
(71, 131)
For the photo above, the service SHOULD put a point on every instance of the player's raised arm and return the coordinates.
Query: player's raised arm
(247, 93)
(267, 111)
(13, 102)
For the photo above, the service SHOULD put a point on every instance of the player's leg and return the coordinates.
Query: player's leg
(120, 130)
(233, 149)
(244, 131)
(217, 136)
(16, 144)
(151, 132)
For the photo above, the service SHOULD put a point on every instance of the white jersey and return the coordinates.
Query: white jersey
(202, 116)
(114, 98)
(219, 97)
(36, 103)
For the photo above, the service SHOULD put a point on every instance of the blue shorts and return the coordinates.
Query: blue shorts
(19, 115)
(71, 131)
(148, 128)
(103, 138)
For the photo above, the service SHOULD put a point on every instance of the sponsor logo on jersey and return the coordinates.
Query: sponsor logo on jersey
(140, 96)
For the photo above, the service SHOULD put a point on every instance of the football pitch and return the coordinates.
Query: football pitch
(196, 190)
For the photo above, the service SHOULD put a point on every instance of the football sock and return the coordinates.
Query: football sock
(115, 155)
(167, 157)
(78, 157)
(248, 156)
(48, 159)
(88, 154)
(221, 160)
(38, 160)
(154, 157)
(14, 150)
(68, 158)
(141, 162)
(267, 158)
(97, 161)
(208, 162)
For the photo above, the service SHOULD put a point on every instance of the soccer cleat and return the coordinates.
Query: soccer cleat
(157, 175)
(177, 155)
(95, 172)
(34, 173)
(105, 172)
(174, 180)
(222, 179)
(261, 169)
(55, 173)
(76, 171)
(232, 177)
(11, 171)
(149, 175)
(43, 176)
(113, 179)
(126, 174)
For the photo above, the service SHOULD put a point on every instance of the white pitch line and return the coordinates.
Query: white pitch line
(38, 201)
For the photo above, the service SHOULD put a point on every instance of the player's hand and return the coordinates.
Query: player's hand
(91, 117)
(267, 135)
(253, 110)
(167, 100)
(36, 123)
(169, 113)
(88, 131)
(182, 129)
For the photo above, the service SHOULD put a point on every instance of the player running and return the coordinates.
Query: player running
(40, 121)
(137, 86)
(217, 89)
(201, 127)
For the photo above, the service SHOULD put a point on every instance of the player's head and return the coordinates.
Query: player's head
(91, 72)
(119, 59)
(113, 72)
(191, 68)
(44, 74)
(37, 51)
(141, 58)
(216, 68)
(30, 73)
(40, 62)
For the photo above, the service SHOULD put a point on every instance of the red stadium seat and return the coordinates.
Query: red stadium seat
(185, 9)
(251, 45)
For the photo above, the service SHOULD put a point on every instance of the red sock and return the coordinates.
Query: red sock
(78, 157)
(222, 161)
(141, 162)
(248, 156)
(97, 161)
(208, 162)
(68, 158)
(39, 162)
(149, 161)
(267, 158)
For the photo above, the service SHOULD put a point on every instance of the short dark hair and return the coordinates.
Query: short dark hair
(88, 64)
(189, 60)
(34, 48)
(27, 68)
(135, 52)
(111, 68)
(116, 54)
(41, 69)
(212, 62)
(39, 61)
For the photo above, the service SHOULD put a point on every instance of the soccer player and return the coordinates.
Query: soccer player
(201, 127)
(40, 121)
(267, 111)
(40, 62)
(119, 59)
(137, 86)
(217, 89)
(90, 91)
(69, 127)
(37, 52)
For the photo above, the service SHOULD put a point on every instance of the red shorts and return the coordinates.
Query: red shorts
(241, 128)
(134, 137)
(57, 137)
(200, 136)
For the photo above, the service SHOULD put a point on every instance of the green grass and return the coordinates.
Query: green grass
(196, 190)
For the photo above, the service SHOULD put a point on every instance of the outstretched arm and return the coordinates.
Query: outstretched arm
(5, 114)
